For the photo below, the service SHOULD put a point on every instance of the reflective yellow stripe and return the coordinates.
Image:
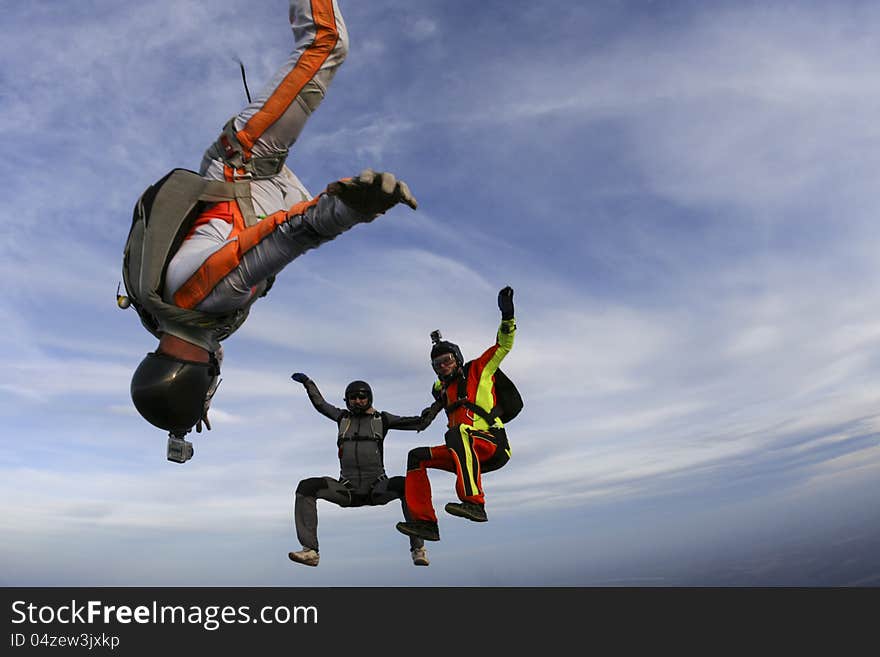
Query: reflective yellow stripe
(468, 457)
(485, 386)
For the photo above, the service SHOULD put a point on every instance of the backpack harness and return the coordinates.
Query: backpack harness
(375, 429)
(162, 218)
(509, 401)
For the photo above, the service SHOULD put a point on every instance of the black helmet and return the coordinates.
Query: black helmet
(169, 392)
(443, 347)
(358, 386)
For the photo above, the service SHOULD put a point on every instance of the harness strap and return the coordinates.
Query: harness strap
(375, 425)
(463, 401)
(489, 416)
(216, 191)
(254, 167)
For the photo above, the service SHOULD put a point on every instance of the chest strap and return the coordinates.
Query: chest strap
(255, 167)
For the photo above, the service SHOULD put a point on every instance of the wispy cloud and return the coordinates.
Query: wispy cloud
(685, 209)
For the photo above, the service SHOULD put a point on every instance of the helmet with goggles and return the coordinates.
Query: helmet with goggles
(444, 353)
(358, 390)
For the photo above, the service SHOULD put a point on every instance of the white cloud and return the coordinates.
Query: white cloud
(754, 357)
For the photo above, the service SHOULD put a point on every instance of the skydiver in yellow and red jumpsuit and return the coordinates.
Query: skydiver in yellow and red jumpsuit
(473, 444)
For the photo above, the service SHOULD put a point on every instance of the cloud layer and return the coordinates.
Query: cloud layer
(681, 197)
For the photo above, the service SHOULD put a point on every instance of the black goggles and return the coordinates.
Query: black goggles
(355, 396)
(442, 359)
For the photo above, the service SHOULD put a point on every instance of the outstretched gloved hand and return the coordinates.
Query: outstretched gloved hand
(505, 302)
(299, 377)
(372, 192)
(204, 419)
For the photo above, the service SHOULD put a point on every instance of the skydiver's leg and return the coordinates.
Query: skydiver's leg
(391, 489)
(464, 446)
(305, 510)
(418, 486)
(385, 490)
(271, 123)
(499, 456)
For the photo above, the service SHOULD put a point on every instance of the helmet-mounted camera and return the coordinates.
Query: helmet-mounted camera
(441, 348)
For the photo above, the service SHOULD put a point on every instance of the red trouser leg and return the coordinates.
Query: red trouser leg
(471, 448)
(418, 486)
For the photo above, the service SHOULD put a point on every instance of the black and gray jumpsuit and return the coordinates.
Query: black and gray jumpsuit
(362, 480)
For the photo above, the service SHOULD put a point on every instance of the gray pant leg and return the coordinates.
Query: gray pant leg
(382, 494)
(282, 117)
(305, 510)
(286, 127)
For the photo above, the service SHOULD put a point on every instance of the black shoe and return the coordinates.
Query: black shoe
(420, 528)
(469, 510)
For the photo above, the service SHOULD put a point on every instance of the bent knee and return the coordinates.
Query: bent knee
(396, 486)
(310, 487)
(453, 438)
(416, 456)
(332, 36)
(340, 50)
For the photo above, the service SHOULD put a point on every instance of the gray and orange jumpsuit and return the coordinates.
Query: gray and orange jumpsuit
(473, 446)
(221, 261)
(362, 480)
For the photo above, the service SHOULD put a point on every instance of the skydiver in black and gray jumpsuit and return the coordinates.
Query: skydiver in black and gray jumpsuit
(362, 480)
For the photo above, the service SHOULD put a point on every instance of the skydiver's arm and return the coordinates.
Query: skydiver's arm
(264, 249)
(506, 331)
(318, 401)
(491, 359)
(414, 422)
(487, 364)
(306, 225)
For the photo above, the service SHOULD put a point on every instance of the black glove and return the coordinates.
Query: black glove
(505, 302)
(372, 192)
(205, 420)
(299, 377)
(212, 389)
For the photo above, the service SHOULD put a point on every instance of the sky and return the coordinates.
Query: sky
(681, 194)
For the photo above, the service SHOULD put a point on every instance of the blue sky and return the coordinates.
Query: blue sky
(682, 195)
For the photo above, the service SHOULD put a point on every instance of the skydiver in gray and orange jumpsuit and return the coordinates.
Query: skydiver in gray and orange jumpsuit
(473, 444)
(223, 265)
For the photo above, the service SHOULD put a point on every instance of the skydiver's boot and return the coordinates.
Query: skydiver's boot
(419, 556)
(305, 556)
(422, 528)
(469, 510)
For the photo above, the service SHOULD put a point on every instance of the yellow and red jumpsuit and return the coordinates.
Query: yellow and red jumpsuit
(472, 446)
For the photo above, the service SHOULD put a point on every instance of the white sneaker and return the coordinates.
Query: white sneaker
(305, 556)
(419, 556)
